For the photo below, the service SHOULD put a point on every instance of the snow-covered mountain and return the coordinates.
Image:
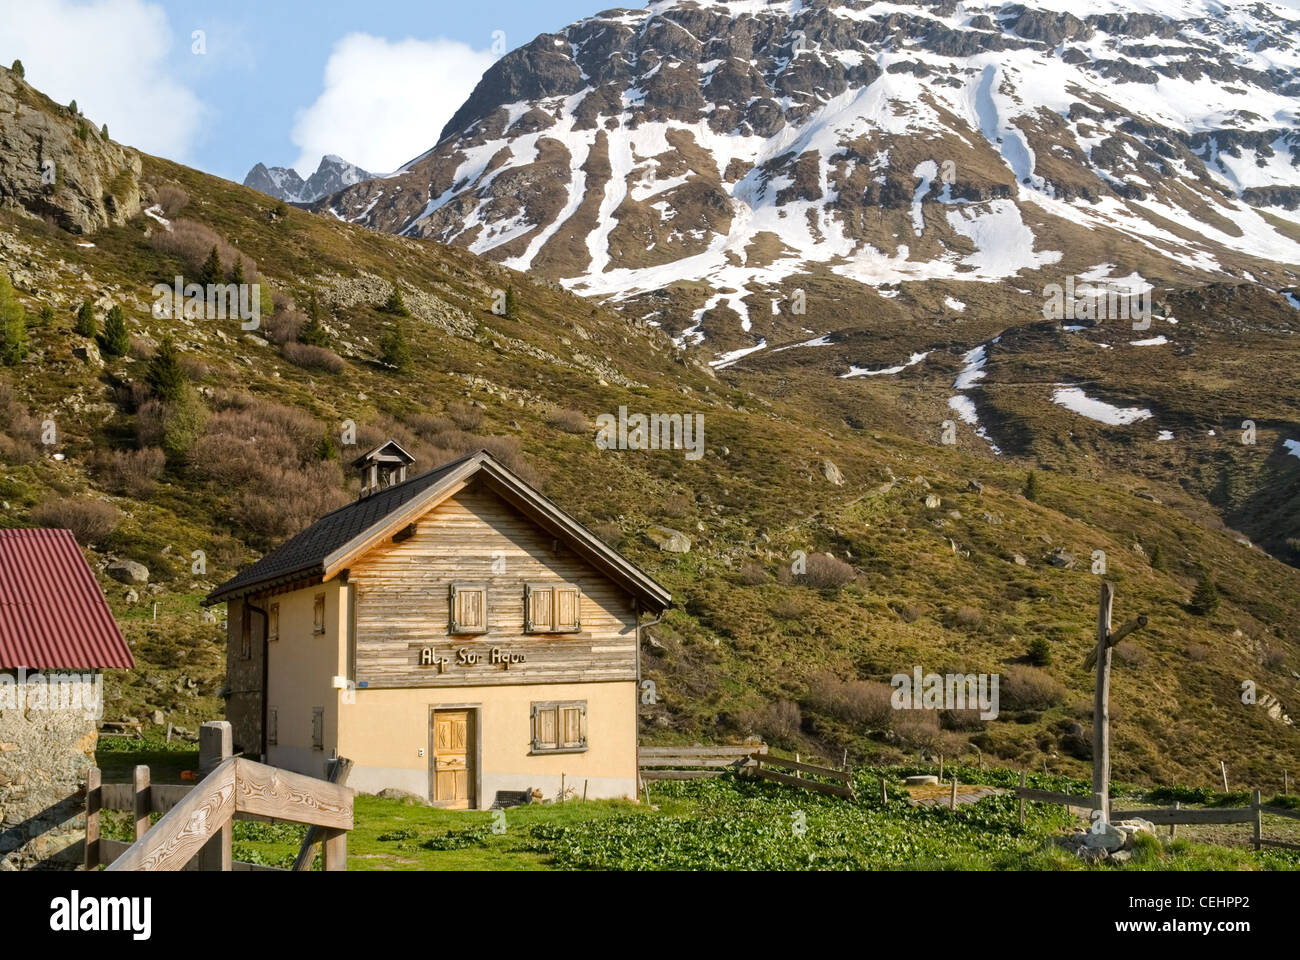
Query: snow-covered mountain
(333, 174)
(700, 160)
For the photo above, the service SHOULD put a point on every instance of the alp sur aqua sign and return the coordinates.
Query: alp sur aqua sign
(465, 657)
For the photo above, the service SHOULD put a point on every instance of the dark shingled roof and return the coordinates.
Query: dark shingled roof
(303, 554)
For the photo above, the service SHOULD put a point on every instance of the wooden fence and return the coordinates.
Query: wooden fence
(1177, 814)
(763, 763)
(689, 763)
(195, 829)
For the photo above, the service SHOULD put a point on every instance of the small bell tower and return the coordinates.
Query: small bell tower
(384, 466)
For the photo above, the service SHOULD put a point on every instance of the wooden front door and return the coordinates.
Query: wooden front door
(453, 760)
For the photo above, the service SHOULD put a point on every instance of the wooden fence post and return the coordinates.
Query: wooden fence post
(1223, 768)
(216, 745)
(140, 782)
(953, 804)
(339, 769)
(94, 800)
(1258, 822)
(335, 850)
(941, 768)
(1173, 827)
(884, 792)
(1024, 782)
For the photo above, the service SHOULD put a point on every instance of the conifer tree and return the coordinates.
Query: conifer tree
(1032, 488)
(1205, 598)
(85, 325)
(211, 272)
(13, 324)
(166, 377)
(115, 341)
(394, 350)
(313, 332)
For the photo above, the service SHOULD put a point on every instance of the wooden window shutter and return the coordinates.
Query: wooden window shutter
(545, 727)
(318, 614)
(272, 726)
(571, 726)
(468, 609)
(318, 728)
(567, 606)
(540, 608)
(273, 622)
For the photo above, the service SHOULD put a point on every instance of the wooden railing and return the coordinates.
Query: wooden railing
(763, 762)
(196, 821)
(689, 763)
(1177, 814)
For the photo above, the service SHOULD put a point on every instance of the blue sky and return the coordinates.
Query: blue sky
(398, 69)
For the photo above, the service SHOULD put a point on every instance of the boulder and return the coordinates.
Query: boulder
(88, 352)
(832, 473)
(668, 539)
(128, 571)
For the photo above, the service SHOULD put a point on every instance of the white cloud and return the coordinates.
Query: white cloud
(386, 102)
(114, 57)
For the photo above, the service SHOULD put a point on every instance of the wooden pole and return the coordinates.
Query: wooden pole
(1173, 827)
(140, 781)
(215, 746)
(1101, 704)
(1223, 768)
(952, 805)
(1286, 782)
(884, 793)
(335, 850)
(1258, 823)
(1024, 782)
(338, 771)
(94, 800)
(584, 791)
(941, 768)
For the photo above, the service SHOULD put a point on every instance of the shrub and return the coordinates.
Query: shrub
(46, 315)
(918, 729)
(13, 324)
(1197, 652)
(193, 243)
(611, 533)
(393, 349)
(570, 421)
(1205, 598)
(828, 573)
(778, 722)
(1158, 561)
(968, 617)
(1029, 688)
(20, 432)
(172, 199)
(788, 608)
(466, 416)
(1040, 652)
(284, 326)
(1274, 658)
(312, 358)
(130, 472)
(89, 520)
(677, 506)
(1129, 654)
(85, 325)
(752, 574)
(115, 341)
(860, 702)
(17, 68)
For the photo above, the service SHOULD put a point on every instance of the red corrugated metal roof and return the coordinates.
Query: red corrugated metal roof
(52, 613)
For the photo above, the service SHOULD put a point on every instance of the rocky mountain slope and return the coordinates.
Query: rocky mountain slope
(284, 183)
(939, 557)
(700, 160)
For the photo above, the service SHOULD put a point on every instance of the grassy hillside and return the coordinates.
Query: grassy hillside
(253, 448)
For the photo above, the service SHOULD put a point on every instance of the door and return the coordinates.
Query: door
(453, 773)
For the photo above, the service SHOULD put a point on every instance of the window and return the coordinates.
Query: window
(272, 727)
(273, 622)
(552, 608)
(318, 615)
(468, 608)
(318, 728)
(246, 632)
(560, 727)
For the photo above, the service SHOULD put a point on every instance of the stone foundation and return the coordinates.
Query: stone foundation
(47, 744)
